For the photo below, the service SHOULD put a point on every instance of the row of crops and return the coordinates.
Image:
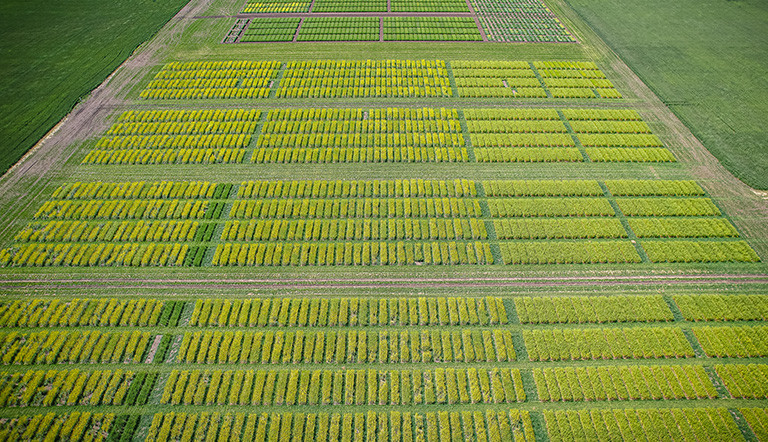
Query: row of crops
(377, 135)
(313, 29)
(217, 352)
(379, 78)
(537, 79)
(341, 312)
(283, 6)
(376, 222)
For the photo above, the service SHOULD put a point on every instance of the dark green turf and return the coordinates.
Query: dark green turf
(55, 53)
(707, 60)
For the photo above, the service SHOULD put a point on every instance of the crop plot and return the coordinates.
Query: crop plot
(431, 28)
(245, 352)
(361, 135)
(276, 6)
(339, 29)
(349, 6)
(624, 383)
(357, 79)
(333, 135)
(227, 79)
(631, 424)
(524, 21)
(177, 137)
(429, 6)
(370, 222)
(270, 29)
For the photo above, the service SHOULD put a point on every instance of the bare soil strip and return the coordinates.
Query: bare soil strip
(369, 283)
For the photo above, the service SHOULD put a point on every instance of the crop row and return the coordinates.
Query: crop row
(351, 253)
(364, 68)
(356, 208)
(187, 116)
(378, 87)
(189, 93)
(522, 140)
(723, 307)
(408, 154)
(442, 426)
(336, 312)
(276, 347)
(328, 140)
(139, 190)
(276, 6)
(127, 209)
(99, 254)
(630, 155)
(591, 309)
(610, 127)
(667, 207)
(74, 387)
(186, 127)
(219, 69)
(527, 154)
(542, 188)
(73, 427)
(167, 156)
(733, 342)
(570, 344)
(683, 228)
(513, 114)
(568, 252)
(58, 347)
(501, 92)
(644, 424)
(558, 228)
(508, 70)
(81, 312)
(654, 188)
(515, 126)
(745, 381)
(700, 251)
(371, 125)
(429, 6)
(536, 207)
(619, 140)
(123, 231)
(553, 83)
(196, 141)
(356, 188)
(309, 117)
(757, 418)
(349, 6)
(622, 383)
(351, 229)
(343, 387)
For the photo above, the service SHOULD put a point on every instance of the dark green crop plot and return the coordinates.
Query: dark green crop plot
(55, 53)
(707, 61)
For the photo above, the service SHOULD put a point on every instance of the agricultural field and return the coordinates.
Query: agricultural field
(403, 220)
(391, 368)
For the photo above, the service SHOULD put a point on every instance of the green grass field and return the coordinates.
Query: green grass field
(55, 54)
(706, 61)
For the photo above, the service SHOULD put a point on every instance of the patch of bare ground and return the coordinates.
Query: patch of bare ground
(153, 349)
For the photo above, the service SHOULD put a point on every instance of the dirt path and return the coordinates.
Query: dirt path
(392, 283)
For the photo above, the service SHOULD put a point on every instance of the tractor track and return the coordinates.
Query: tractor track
(326, 283)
